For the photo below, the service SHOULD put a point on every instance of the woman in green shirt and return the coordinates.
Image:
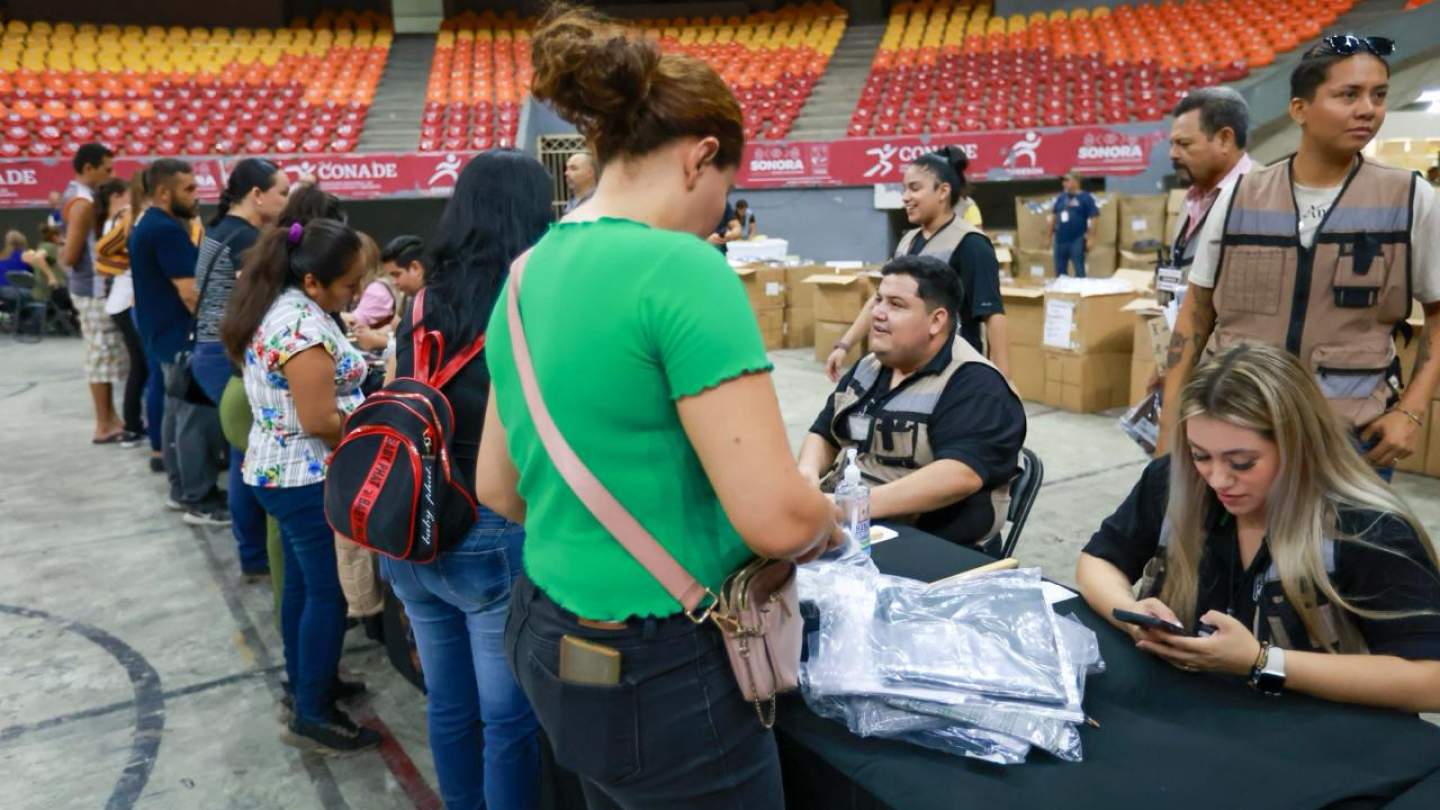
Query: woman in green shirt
(651, 364)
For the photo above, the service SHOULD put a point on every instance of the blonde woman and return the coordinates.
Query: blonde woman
(1266, 532)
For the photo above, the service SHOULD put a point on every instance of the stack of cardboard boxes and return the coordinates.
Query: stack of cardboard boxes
(838, 298)
(1034, 256)
(1087, 340)
(1142, 220)
(1025, 324)
(800, 306)
(765, 287)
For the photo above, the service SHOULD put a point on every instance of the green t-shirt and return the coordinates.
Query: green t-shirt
(622, 321)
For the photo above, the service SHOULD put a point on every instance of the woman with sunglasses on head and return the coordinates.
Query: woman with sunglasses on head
(652, 367)
(1265, 532)
(1321, 253)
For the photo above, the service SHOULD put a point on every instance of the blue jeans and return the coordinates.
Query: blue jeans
(312, 606)
(247, 520)
(1071, 252)
(154, 401)
(457, 607)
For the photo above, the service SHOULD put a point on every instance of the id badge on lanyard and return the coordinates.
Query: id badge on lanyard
(1064, 216)
(1168, 279)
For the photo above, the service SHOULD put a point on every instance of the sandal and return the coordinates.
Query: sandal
(113, 438)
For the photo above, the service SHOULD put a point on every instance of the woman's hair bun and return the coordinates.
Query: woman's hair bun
(592, 71)
(957, 159)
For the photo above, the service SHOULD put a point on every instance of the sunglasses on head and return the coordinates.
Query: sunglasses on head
(1349, 44)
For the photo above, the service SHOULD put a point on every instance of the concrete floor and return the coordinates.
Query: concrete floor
(137, 671)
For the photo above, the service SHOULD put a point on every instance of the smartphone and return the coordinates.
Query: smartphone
(587, 662)
(1146, 620)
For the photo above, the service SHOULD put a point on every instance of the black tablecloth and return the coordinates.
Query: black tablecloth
(1168, 740)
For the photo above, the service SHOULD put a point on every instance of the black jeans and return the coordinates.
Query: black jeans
(674, 732)
(134, 401)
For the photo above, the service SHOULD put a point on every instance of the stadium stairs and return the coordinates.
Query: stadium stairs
(394, 121)
(826, 115)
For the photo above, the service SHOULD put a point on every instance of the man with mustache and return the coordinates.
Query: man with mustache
(1321, 253)
(1207, 148)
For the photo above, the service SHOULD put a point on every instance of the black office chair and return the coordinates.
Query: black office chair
(27, 309)
(1022, 497)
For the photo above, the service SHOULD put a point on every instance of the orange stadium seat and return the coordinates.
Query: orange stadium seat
(950, 65)
(191, 91)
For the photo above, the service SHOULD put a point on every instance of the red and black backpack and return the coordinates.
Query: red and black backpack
(390, 487)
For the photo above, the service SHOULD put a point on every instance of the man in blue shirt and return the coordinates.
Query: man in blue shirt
(162, 266)
(1069, 222)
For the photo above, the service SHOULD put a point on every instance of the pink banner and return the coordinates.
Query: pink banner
(1011, 155)
(996, 156)
(28, 183)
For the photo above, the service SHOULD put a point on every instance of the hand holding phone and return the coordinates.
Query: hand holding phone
(1146, 620)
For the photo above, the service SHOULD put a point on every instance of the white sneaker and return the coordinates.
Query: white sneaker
(173, 505)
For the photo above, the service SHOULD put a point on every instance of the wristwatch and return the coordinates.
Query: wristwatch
(1268, 676)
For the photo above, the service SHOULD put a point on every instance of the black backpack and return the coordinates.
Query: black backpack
(390, 487)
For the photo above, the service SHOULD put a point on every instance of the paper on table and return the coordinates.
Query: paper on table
(1055, 594)
(1059, 322)
(879, 534)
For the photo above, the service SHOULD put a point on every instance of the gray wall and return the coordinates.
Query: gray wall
(838, 224)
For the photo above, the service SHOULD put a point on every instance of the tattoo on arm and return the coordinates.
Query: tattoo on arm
(1422, 354)
(1176, 352)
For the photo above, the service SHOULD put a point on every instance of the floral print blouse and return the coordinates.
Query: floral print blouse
(280, 453)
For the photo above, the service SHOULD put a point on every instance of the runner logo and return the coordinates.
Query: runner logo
(1025, 148)
(448, 168)
(883, 165)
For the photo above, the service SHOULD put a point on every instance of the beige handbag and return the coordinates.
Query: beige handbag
(758, 607)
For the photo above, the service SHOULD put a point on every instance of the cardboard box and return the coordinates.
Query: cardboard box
(1006, 239)
(1142, 218)
(1100, 261)
(797, 292)
(772, 328)
(1032, 231)
(1106, 227)
(1034, 267)
(1432, 444)
(1089, 323)
(1024, 317)
(827, 334)
(1027, 371)
(1086, 383)
(799, 327)
(1175, 201)
(764, 285)
(1135, 260)
(1143, 281)
(1151, 345)
(840, 297)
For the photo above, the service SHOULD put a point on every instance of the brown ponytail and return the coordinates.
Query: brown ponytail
(624, 96)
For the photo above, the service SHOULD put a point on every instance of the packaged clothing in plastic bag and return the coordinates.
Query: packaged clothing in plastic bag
(994, 634)
(980, 667)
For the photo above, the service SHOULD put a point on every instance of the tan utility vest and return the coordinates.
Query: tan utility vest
(901, 427)
(1334, 306)
(943, 243)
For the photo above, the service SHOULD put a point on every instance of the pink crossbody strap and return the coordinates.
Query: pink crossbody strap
(612, 515)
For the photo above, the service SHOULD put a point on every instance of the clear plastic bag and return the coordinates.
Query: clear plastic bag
(981, 667)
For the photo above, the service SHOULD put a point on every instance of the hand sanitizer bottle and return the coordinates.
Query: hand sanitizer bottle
(853, 498)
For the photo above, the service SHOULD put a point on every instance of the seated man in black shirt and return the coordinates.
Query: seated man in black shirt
(937, 428)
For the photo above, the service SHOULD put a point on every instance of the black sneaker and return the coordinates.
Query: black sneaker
(337, 735)
(131, 439)
(157, 464)
(347, 693)
(207, 516)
